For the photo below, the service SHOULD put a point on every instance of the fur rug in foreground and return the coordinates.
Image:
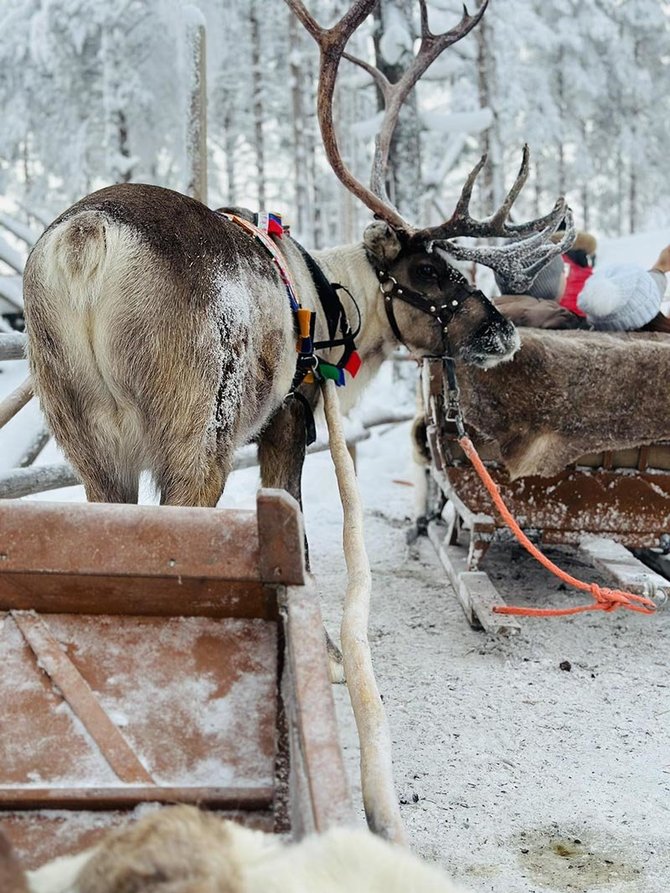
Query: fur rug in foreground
(566, 394)
(183, 850)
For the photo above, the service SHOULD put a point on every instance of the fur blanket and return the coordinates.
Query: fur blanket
(183, 850)
(569, 393)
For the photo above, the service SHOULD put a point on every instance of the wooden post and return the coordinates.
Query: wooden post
(196, 135)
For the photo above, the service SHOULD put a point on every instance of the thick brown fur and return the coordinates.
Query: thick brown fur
(161, 339)
(566, 394)
(178, 850)
(183, 850)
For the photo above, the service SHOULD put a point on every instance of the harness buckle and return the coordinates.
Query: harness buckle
(388, 281)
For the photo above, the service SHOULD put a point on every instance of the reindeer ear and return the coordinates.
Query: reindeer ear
(382, 241)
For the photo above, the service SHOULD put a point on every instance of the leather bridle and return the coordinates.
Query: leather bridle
(442, 312)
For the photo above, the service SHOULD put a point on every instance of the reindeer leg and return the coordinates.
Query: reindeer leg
(281, 455)
(195, 485)
(281, 451)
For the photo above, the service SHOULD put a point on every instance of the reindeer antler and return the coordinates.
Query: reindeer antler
(332, 43)
(462, 224)
(530, 250)
(520, 261)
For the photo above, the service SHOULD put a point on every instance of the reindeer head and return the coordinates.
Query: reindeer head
(431, 307)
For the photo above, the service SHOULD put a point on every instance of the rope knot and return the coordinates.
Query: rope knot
(611, 599)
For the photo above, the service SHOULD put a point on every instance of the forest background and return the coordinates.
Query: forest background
(94, 93)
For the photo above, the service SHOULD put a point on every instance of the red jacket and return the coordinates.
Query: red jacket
(576, 277)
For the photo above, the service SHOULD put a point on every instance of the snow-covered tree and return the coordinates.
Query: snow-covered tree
(93, 93)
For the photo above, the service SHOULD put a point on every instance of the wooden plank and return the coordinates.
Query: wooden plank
(41, 836)
(12, 345)
(35, 447)
(474, 590)
(196, 697)
(454, 560)
(313, 711)
(76, 691)
(482, 595)
(633, 508)
(15, 401)
(135, 595)
(128, 796)
(25, 481)
(127, 540)
(621, 566)
(281, 538)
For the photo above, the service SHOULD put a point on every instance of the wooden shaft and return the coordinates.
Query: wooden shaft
(12, 346)
(37, 479)
(35, 447)
(128, 796)
(379, 796)
(197, 125)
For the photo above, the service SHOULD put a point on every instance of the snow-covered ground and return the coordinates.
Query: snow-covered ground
(518, 776)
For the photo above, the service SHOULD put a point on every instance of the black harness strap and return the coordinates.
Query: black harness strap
(336, 317)
(333, 309)
(442, 312)
(310, 424)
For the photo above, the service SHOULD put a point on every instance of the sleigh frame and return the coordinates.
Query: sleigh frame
(606, 505)
(159, 655)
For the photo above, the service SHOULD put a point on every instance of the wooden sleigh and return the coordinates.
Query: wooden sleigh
(606, 504)
(160, 655)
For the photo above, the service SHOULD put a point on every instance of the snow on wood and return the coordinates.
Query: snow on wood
(18, 229)
(196, 131)
(11, 289)
(12, 346)
(15, 401)
(11, 256)
(37, 479)
(624, 568)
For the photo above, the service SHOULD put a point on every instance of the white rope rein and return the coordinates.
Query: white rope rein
(379, 795)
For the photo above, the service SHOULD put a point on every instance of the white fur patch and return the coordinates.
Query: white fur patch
(59, 876)
(246, 861)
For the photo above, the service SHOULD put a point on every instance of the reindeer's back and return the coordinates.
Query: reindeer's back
(146, 311)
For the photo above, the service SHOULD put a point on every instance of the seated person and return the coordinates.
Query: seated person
(551, 301)
(568, 294)
(626, 298)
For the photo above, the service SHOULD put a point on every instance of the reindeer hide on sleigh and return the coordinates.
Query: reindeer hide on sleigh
(575, 431)
(566, 394)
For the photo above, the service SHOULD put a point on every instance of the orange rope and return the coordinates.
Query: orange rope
(604, 599)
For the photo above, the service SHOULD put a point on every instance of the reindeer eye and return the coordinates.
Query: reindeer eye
(427, 271)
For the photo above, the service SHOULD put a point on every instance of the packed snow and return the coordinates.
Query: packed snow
(533, 764)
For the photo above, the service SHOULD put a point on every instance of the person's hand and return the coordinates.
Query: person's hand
(663, 262)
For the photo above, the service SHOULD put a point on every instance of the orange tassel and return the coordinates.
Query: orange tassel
(304, 321)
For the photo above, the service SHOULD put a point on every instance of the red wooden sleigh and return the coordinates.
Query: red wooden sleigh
(160, 655)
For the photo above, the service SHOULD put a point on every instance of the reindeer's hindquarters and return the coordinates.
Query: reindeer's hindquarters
(126, 375)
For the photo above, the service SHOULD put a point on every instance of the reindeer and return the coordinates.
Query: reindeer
(180, 849)
(160, 333)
